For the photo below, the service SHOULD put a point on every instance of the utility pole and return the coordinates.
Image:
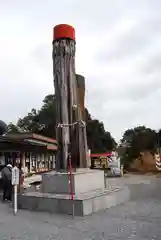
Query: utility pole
(71, 128)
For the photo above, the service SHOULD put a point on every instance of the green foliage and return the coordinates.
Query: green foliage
(135, 141)
(44, 122)
(99, 140)
(159, 138)
(11, 128)
(30, 122)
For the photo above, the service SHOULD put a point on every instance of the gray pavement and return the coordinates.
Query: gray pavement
(138, 219)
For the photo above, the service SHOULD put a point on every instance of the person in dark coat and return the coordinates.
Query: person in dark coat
(7, 182)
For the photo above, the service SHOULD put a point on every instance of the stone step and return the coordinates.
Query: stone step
(83, 204)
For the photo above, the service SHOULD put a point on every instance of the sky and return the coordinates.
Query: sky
(118, 50)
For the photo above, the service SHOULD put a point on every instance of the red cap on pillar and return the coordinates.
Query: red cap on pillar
(63, 31)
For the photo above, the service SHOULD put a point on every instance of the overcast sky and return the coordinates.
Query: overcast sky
(118, 51)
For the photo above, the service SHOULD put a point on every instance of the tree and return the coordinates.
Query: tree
(3, 127)
(30, 123)
(98, 139)
(47, 116)
(135, 141)
(159, 138)
(12, 128)
(43, 122)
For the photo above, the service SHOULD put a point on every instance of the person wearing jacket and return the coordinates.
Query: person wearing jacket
(7, 182)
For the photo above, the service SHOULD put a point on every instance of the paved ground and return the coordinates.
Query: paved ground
(138, 219)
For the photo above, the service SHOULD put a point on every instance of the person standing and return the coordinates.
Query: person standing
(7, 182)
(21, 181)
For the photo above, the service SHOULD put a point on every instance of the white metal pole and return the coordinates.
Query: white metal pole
(15, 199)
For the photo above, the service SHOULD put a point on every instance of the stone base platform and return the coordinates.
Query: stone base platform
(83, 180)
(84, 203)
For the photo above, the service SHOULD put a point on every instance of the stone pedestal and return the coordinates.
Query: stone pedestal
(90, 194)
(83, 180)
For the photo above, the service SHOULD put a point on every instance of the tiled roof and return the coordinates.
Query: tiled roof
(26, 135)
(26, 141)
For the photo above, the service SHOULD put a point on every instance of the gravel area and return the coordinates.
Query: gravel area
(138, 219)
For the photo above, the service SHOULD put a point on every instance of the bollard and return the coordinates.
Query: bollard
(15, 183)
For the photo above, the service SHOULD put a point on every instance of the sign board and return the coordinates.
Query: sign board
(15, 176)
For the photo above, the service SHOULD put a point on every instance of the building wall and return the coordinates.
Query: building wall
(30, 163)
